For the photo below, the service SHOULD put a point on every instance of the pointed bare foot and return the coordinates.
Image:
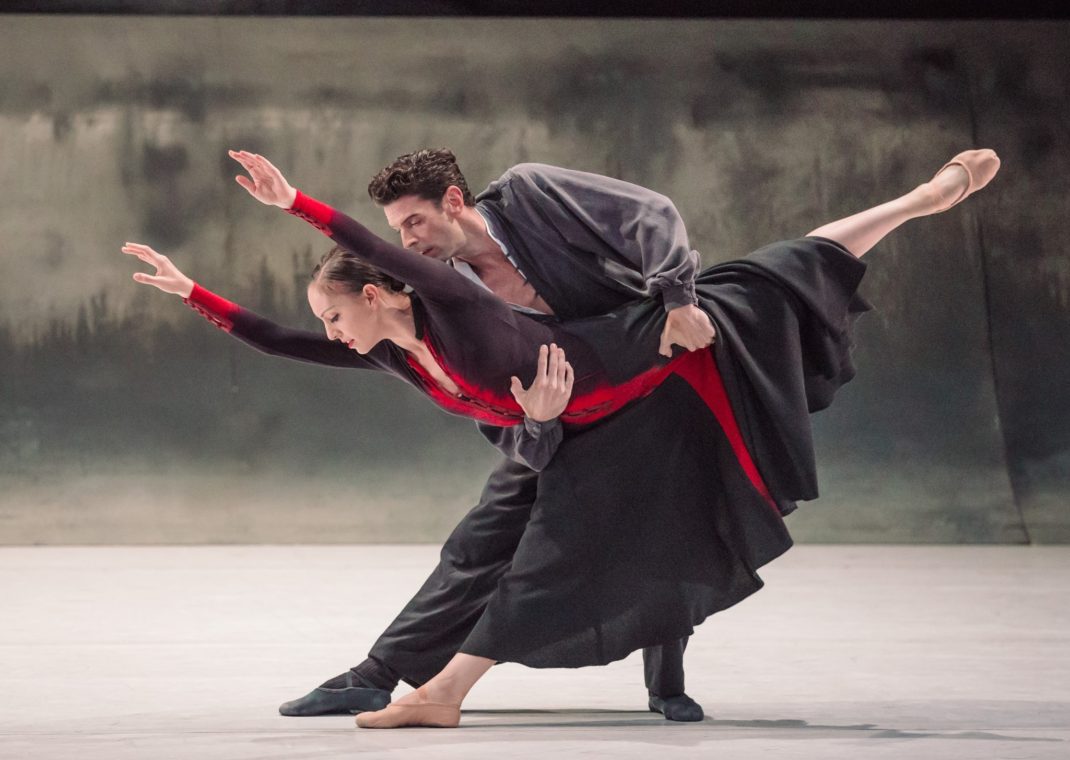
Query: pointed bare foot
(959, 178)
(413, 709)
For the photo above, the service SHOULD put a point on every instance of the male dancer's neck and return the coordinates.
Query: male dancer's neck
(480, 251)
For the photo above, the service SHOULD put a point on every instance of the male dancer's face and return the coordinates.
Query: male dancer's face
(429, 228)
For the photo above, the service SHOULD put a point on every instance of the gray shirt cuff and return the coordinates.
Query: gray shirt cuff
(675, 296)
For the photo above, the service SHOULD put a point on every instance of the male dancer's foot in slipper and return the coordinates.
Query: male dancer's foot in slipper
(680, 708)
(346, 694)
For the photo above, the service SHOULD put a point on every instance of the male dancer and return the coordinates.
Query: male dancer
(546, 240)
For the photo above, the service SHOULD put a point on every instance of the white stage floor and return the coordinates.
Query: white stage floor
(850, 651)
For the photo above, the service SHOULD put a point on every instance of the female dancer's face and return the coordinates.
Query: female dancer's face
(352, 318)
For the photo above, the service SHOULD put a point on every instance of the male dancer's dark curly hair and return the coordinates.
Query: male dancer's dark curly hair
(426, 173)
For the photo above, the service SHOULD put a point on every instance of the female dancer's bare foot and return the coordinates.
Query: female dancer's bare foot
(415, 709)
(959, 178)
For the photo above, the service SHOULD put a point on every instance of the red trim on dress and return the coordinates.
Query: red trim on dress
(480, 403)
(315, 212)
(607, 399)
(701, 372)
(697, 368)
(503, 410)
(464, 405)
(216, 309)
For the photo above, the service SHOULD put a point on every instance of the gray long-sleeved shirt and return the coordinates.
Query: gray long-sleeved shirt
(587, 244)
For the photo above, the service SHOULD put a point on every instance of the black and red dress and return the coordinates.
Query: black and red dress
(663, 485)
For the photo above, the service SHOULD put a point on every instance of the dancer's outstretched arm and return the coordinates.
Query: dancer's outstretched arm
(259, 332)
(531, 443)
(431, 279)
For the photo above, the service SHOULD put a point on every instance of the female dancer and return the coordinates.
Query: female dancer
(735, 430)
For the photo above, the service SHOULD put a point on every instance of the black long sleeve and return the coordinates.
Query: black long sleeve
(271, 338)
(433, 280)
(531, 443)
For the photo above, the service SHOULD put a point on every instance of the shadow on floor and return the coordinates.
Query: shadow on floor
(639, 718)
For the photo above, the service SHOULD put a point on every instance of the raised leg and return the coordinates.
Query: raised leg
(966, 173)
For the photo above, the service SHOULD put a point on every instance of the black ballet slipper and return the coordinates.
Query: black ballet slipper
(342, 695)
(681, 707)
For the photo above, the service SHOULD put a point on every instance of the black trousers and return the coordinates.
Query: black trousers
(438, 619)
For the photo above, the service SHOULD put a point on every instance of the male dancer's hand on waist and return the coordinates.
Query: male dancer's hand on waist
(687, 326)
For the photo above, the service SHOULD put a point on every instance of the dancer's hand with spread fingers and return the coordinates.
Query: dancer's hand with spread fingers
(265, 182)
(167, 278)
(551, 389)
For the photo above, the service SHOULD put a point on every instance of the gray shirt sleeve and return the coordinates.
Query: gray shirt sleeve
(631, 226)
(532, 443)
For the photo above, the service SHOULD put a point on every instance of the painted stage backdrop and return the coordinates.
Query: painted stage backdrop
(127, 418)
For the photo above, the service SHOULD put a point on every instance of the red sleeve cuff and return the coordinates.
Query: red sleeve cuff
(314, 212)
(216, 309)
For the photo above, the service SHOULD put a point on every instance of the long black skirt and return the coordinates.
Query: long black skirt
(651, 520)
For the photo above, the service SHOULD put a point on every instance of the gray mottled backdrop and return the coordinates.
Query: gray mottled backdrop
(124, 417)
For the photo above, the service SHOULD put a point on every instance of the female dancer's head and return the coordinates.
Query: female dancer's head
(358, 304)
